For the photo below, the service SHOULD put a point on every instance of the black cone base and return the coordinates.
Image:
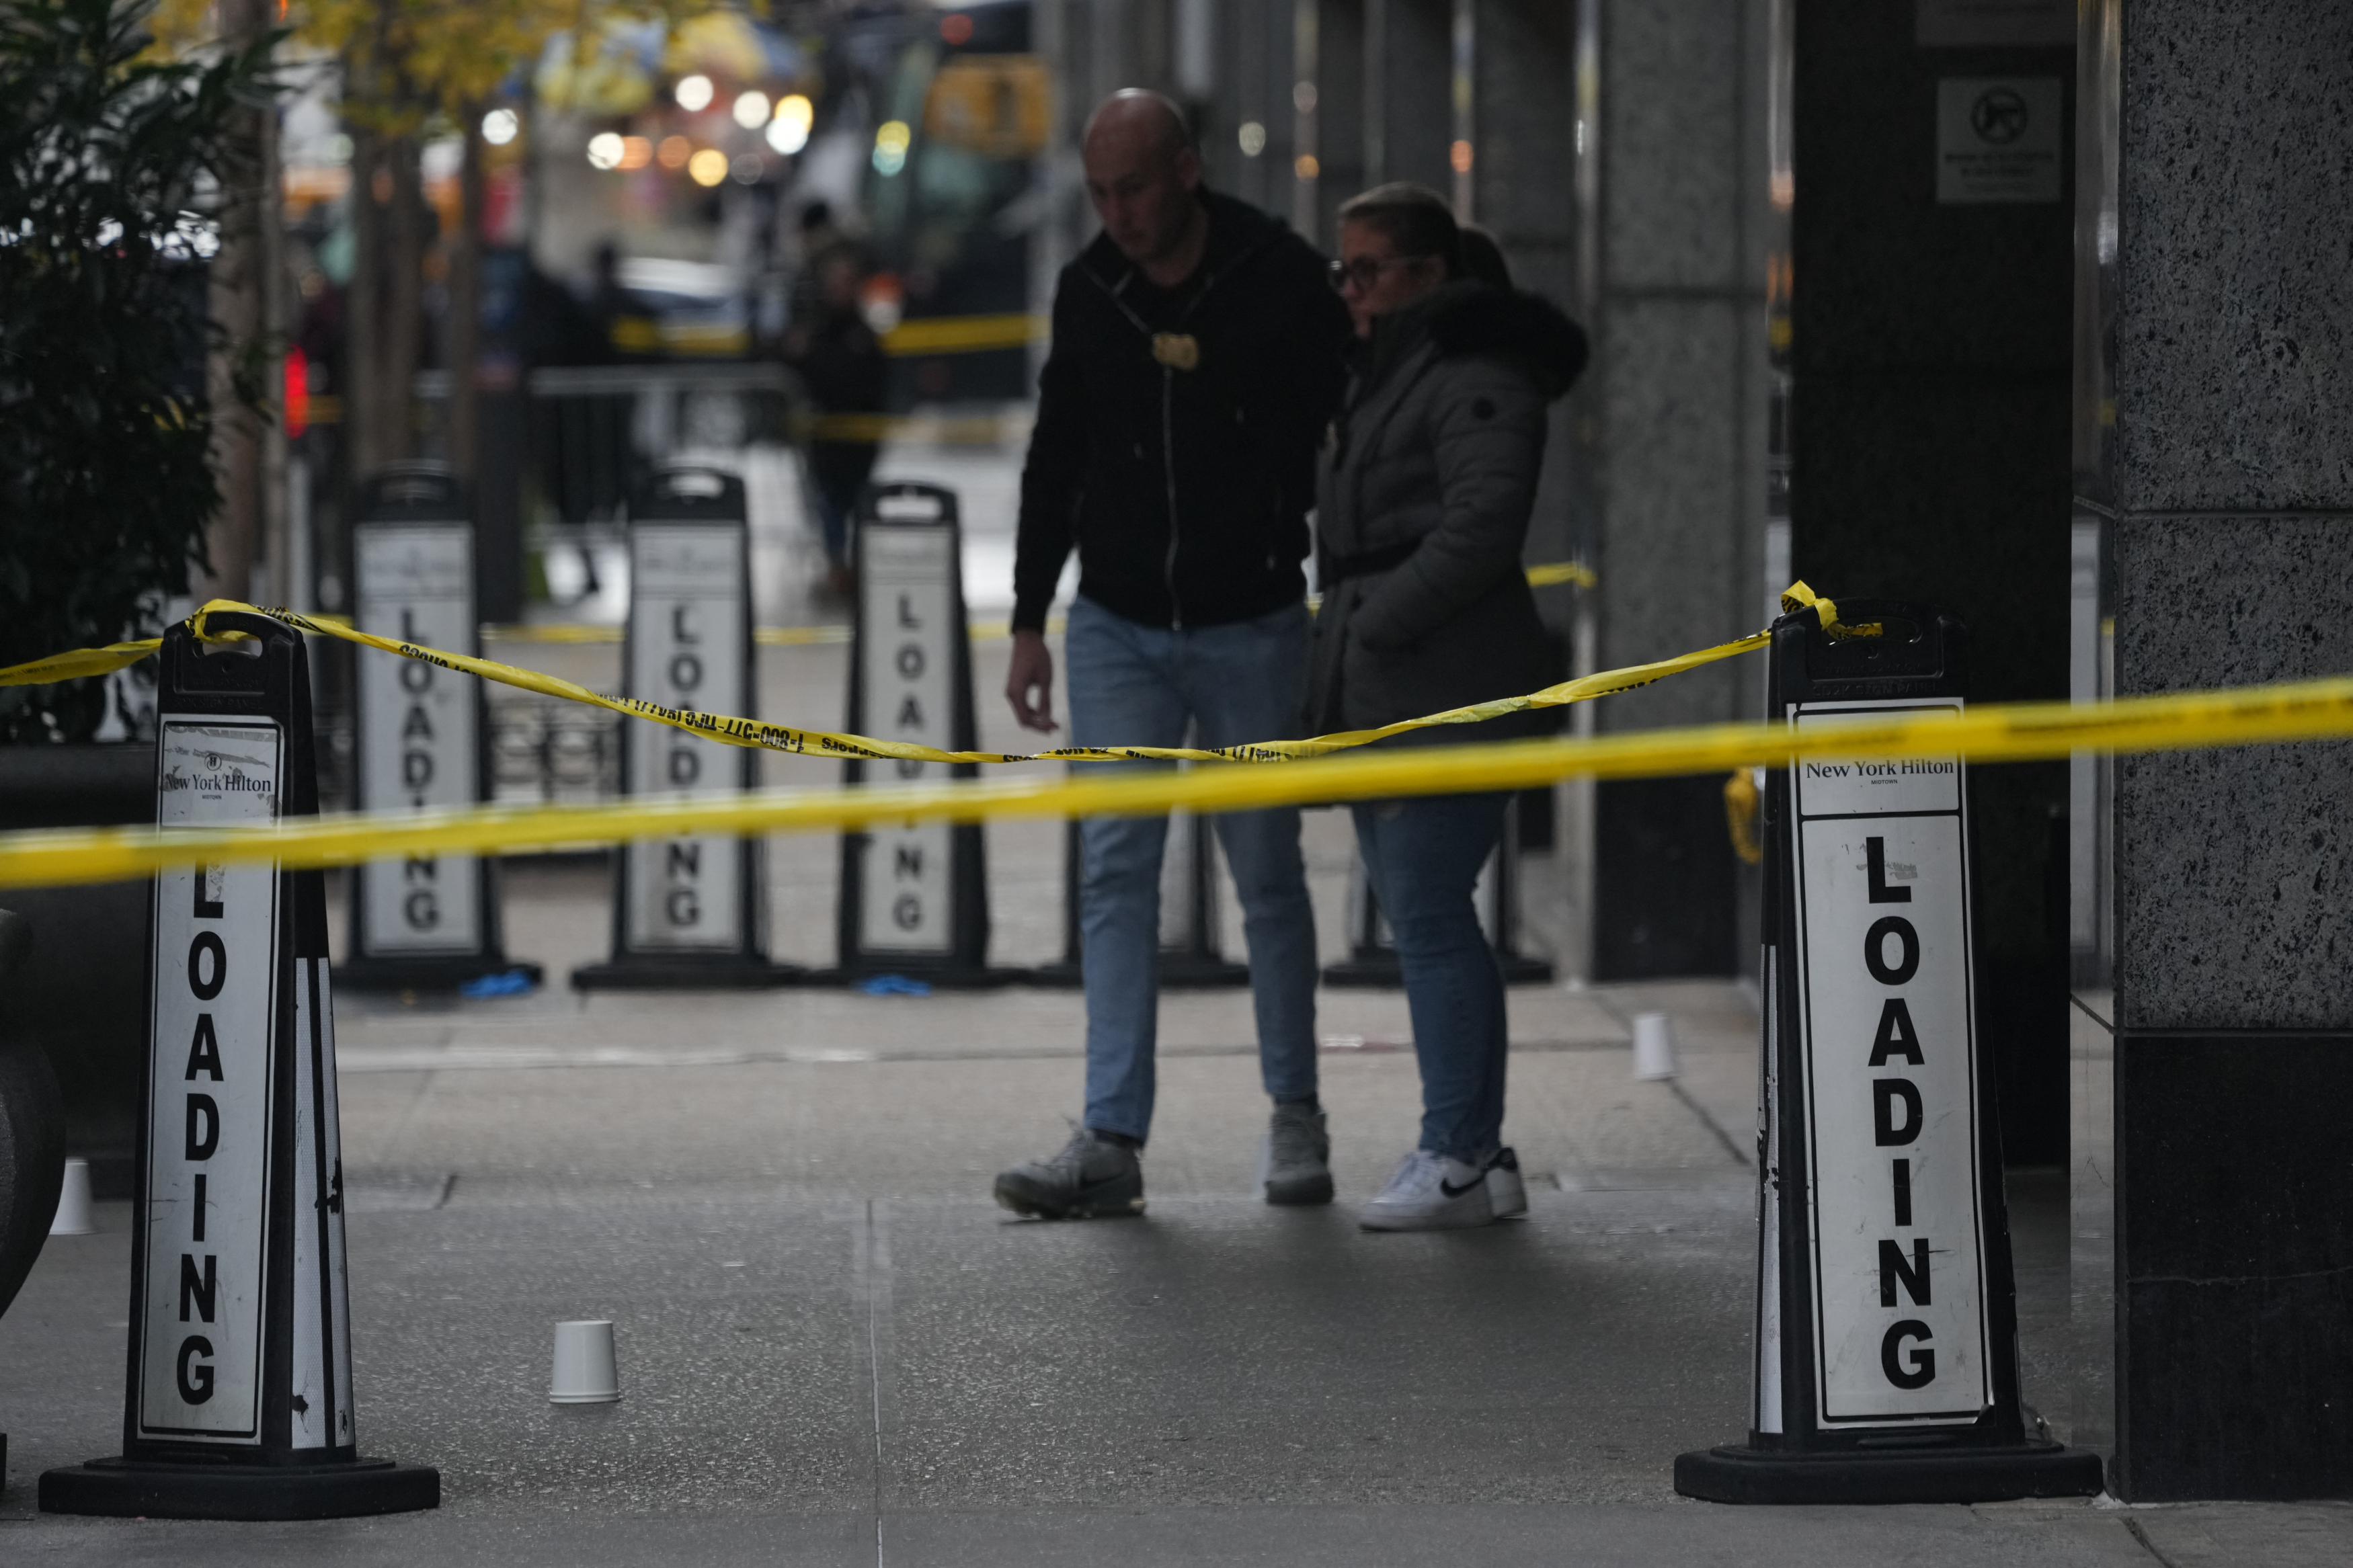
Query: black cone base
(127, 1488)
(1377, 969)
(1183, 971)
(942, 977)
(1367, 969)
(639, 972)
(1175, 971)
(423, 974)
(1734, 1473)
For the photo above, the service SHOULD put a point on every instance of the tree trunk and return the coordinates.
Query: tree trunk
(237, 286)
(464, 340)
(404, 305)
(277, 506)
(363, 312)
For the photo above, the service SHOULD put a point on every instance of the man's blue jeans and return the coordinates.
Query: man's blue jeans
(1423, 856)
(1134, 685)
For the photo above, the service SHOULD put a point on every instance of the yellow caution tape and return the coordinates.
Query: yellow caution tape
(1576, 572)
(2303, 710)
(965, 334)
(80, 663)
(967, 430)
(754, 733)
(1740, 815)
(566, 632)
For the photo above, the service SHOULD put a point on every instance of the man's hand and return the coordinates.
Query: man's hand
(1029, 686)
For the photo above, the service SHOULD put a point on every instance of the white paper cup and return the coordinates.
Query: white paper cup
(1654, 1046)
(584, 1370)
(73, 1217)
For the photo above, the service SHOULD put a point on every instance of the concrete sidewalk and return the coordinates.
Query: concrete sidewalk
(835, 1349)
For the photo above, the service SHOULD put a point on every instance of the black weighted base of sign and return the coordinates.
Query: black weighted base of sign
(1378, 971)
(726, 972)
(127, 1488)
(942, 978)
(1737, 1473)
(1177, 971)
(1200, 972)
(424, 974)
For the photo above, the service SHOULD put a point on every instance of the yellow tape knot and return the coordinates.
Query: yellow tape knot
(1797, 596)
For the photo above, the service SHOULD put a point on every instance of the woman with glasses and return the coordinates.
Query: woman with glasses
(1423, 498)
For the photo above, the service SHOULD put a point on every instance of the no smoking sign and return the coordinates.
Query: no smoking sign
(1997, 140)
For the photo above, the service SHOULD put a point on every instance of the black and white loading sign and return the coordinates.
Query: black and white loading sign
(423, 919)
(1882, 940)
(1886, 1325)
(904, 667)
(913, 898)
(687, 912)
(216, 967)
(239, 1405)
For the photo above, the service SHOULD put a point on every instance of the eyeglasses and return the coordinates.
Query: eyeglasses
(1366, 270)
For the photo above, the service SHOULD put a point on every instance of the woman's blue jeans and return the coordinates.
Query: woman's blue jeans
(1134, 685)
(1423, 856)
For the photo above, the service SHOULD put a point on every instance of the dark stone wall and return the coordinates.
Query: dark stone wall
(2229, 494)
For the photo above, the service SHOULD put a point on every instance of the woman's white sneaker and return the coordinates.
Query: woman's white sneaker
(1431, 1192)
(1506, 1194)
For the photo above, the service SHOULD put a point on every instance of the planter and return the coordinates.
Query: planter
(82, 1000)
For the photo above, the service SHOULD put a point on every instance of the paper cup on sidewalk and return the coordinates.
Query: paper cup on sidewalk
(1654, 1046)
(585, 1372)
(73, 1217)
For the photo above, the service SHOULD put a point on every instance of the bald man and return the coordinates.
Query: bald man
(1196, 358)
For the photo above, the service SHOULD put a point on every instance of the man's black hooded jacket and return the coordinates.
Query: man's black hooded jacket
(1204, 404)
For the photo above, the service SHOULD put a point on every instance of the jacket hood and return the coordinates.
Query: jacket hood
(1470, 316)
(1235, 229)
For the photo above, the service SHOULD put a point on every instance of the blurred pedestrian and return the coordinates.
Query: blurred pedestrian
(1197, 354)
(628, 329)
(1424, 497)
(841, 363)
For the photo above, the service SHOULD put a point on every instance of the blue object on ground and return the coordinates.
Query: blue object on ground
(513, 982)
(895, 985)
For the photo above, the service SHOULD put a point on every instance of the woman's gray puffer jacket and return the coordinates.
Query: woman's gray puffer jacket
(1423, 497)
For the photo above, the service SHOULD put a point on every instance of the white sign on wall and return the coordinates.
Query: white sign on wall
(417, 738)
(687, 643)
(1888, 1038)
(212, 1048)
(906, 674)
(1997, 140)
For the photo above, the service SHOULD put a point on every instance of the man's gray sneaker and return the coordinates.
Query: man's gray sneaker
(1298, 1157)
(1091, 1178)
(1506, 1194)
(1431, 1192)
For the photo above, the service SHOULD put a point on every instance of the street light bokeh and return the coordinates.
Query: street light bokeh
(788, 132)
